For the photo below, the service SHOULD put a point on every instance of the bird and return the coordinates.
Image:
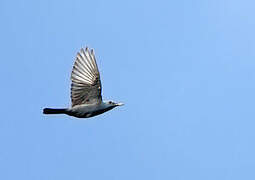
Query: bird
(86, 89)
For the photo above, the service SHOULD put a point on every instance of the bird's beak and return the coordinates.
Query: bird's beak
(119, 104)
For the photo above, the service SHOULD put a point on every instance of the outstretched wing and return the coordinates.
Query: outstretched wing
(86, 84)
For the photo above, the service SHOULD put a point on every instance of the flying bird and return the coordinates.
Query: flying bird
(86, 89)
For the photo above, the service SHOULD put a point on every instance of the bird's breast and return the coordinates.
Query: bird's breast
(81, 111)
(86, 111)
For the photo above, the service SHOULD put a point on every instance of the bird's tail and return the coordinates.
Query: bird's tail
(54, 111)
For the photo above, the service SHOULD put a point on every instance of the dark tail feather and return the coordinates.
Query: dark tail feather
(54, 111)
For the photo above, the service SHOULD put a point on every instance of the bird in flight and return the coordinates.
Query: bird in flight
(86, 89)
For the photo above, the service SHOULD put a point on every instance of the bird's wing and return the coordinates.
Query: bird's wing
(86, 84)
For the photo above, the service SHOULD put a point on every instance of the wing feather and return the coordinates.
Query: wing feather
(86, 83)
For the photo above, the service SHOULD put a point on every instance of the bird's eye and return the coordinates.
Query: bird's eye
(110, 102)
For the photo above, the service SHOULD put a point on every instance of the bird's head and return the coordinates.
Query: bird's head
(113, 104)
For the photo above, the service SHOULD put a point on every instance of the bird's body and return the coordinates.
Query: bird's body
(82, 111)
(85, 111)
(85, 89)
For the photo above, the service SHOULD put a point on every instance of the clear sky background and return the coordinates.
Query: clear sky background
(184, 69)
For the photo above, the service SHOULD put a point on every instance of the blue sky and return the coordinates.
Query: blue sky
(184, 69)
